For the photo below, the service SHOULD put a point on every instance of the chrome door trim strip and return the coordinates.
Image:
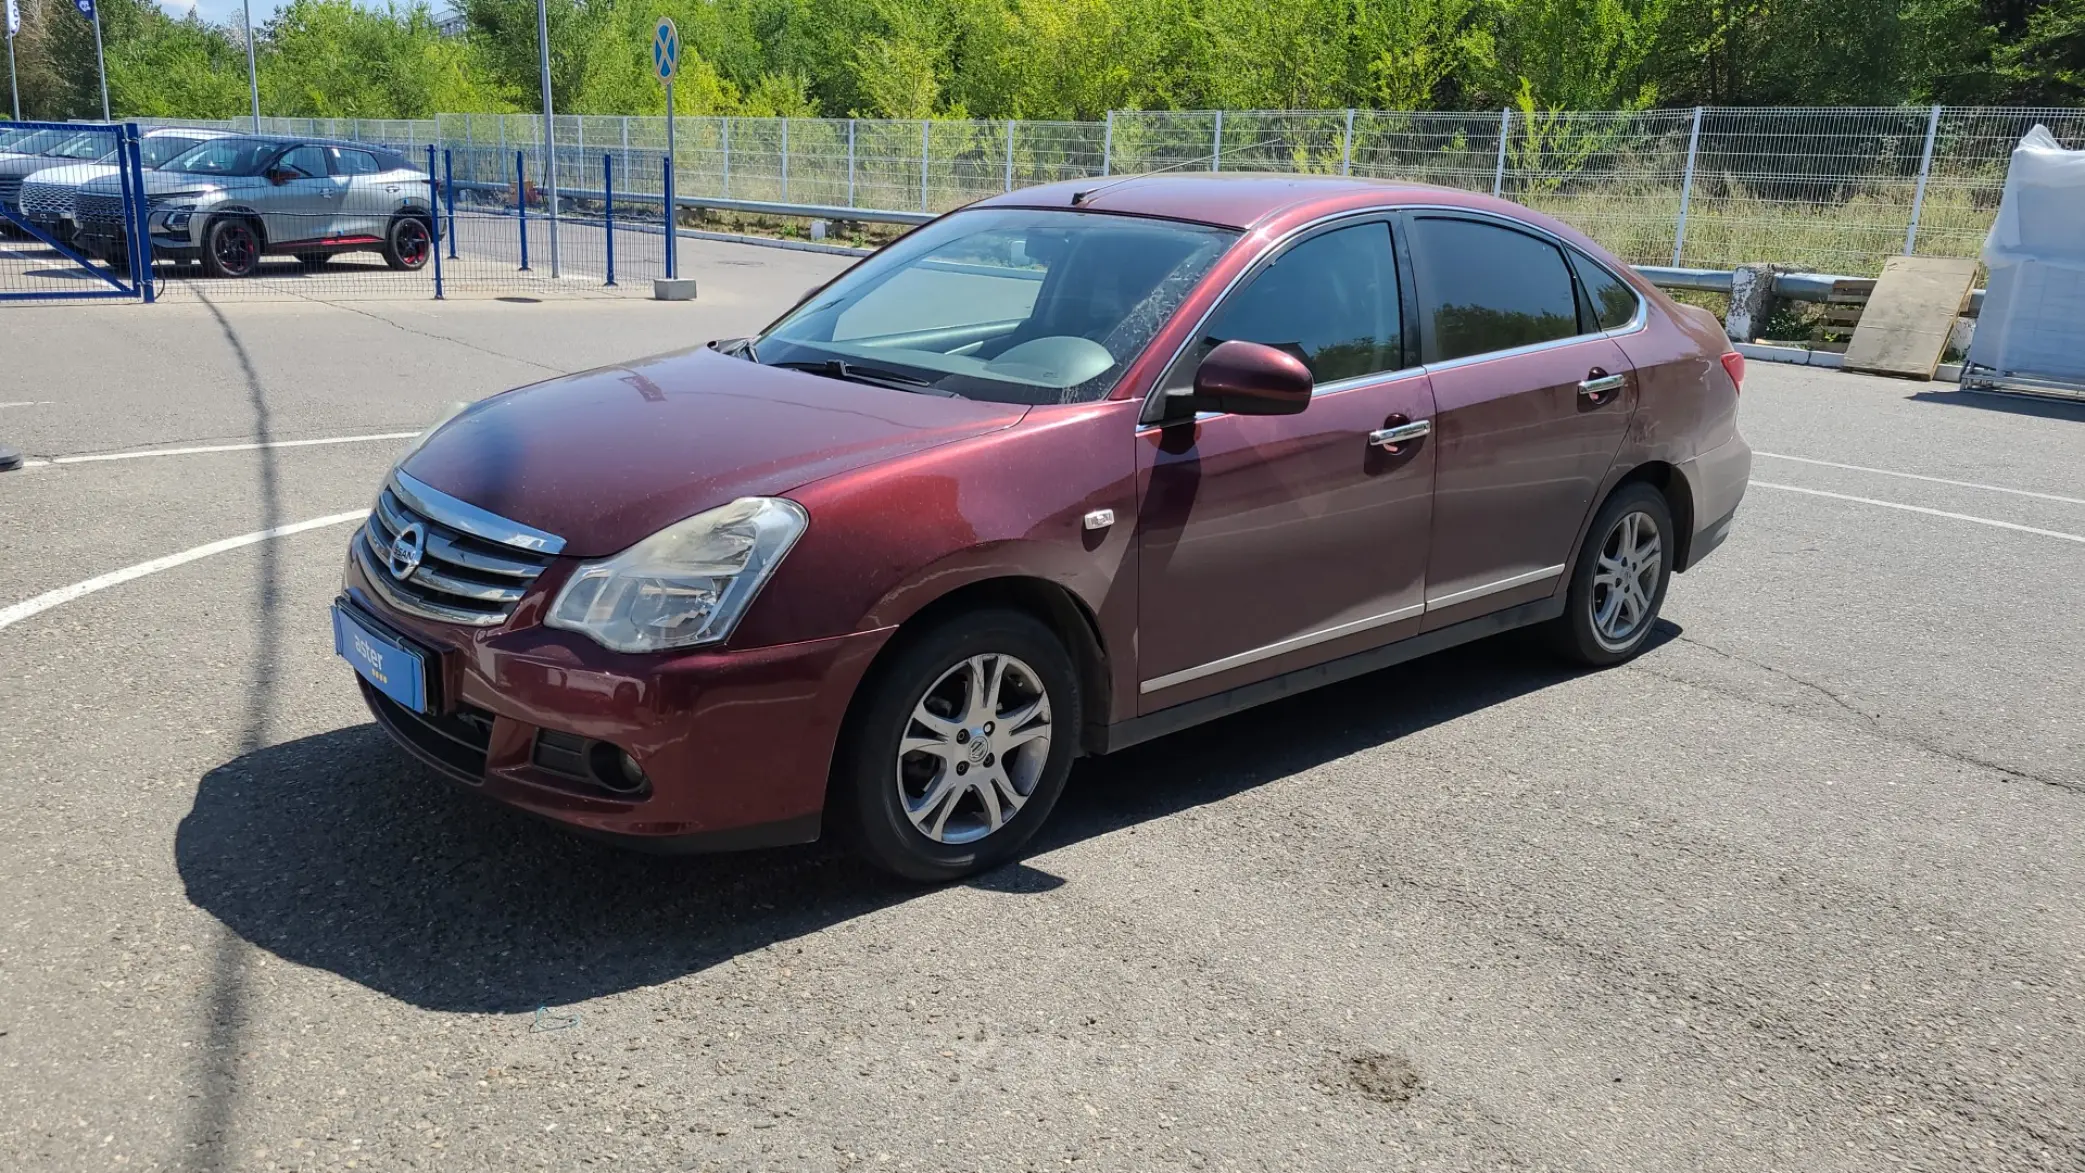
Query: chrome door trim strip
(1265, 651)
(457, 514)
(1492, 588)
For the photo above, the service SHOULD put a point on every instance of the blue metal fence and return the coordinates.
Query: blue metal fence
(72, 212)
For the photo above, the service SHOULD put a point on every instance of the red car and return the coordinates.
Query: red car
(1069, 469)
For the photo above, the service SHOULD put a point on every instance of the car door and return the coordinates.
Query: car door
(1531, 404)
(365, 204)
(305, 205)
(1269, 543)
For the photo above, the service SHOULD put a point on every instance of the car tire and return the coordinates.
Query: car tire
(1619, 580)
(955, 711)
(314, 260)
(408, 243)
(231, 248)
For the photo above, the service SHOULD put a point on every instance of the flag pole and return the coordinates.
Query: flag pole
(100, 61)
(253, 77)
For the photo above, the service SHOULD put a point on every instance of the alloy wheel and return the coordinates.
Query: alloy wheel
(1626, 579)
(235, 249)
(974, 749)
(412, 243)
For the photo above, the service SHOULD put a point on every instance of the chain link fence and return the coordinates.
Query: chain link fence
(1836, 190)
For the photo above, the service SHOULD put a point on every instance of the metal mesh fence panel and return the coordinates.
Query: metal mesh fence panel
(66, 212)
(1832, 189)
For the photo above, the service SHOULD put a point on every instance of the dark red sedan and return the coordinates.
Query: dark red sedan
(1066, 470)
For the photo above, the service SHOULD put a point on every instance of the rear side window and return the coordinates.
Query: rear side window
(1330, 301)
(1614, 303)
(1483, 287)
(347, 162)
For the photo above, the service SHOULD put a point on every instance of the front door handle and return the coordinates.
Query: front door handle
(1597, 387)
(1391, 437)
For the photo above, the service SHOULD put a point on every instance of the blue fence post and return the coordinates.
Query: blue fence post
(672, 229)
(449, 189)
(140, 230)
(521, 205)
(608, 210)
(434, 218)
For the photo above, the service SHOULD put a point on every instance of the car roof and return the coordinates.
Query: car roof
(195, 132)
(1237, 199)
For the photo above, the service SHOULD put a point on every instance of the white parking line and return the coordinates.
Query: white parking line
(1913, 476)
(2025, 529)
(103, 456)
(49, 599)
(27, 403)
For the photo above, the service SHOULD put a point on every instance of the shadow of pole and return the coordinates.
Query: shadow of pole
(216, 1080)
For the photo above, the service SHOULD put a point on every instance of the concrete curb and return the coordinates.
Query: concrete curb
(1803, 357)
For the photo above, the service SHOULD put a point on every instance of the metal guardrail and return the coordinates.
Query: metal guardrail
(1794, 286)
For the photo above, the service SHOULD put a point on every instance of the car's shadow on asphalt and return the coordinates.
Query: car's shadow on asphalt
(334, 852)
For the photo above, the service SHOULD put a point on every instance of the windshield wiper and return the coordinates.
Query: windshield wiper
(835, 368)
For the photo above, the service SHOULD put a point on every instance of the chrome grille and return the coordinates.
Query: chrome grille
(10, 188)
(48, 199)
(97, 210)
(474, 567)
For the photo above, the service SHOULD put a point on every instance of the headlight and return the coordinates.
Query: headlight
(688, 584)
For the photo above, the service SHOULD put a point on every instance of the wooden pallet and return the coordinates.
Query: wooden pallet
(1842, 313)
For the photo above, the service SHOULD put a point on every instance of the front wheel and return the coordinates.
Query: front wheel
(408, 244)
(231, 248)
(1619, 580)
(960, 746)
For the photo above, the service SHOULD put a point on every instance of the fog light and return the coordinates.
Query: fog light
(616, 770)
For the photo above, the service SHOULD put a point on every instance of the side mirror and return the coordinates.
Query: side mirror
(1249, 378)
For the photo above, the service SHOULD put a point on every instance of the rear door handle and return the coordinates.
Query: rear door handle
(1600, 386)
(1392, 437)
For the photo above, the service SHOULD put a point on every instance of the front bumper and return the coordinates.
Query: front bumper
(735, 746)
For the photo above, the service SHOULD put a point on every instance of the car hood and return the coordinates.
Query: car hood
(607, 457)
(20, 165)
(72, 175)
(163, 183)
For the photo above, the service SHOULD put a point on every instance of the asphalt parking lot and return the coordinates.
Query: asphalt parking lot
(1800, 889)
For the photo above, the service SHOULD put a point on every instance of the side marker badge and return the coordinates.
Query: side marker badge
(1100, 519)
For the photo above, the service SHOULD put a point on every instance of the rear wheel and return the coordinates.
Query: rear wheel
(960, 746)
(231, 248)
(408, 244)
(1619, 580)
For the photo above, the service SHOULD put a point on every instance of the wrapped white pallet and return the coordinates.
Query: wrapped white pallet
(2032, 327)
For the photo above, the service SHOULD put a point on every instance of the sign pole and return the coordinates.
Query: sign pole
(14, 25)
(666, 55)
(92, 12)
(673, 235)
(253, 77)
(549, 135)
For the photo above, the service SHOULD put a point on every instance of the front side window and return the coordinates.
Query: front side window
(86, 146)
(1330, 301)
(1005, 304)
(1484, 287)
(306, 162)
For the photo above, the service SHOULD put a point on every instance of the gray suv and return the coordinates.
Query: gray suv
(231, 201)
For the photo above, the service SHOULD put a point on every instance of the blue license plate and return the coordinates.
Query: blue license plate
(396, 668)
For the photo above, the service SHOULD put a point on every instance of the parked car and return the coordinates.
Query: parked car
(44, 150)
(47, 196)
(233, 200)
(1072, 468)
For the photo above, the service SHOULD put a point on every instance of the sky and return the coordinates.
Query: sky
(231, 11)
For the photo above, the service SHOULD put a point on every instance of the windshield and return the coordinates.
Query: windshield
(157, 151)
(225, 156)
(40, 142)
(86, 146)
(1007, 304)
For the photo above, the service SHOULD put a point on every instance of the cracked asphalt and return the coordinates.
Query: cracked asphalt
(1800, 889)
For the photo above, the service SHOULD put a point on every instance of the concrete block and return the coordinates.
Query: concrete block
(818, 229)
(673, 288)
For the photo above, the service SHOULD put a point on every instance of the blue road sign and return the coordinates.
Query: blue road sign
(666, 48)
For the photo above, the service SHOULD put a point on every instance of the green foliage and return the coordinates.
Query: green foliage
(1069, 59)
